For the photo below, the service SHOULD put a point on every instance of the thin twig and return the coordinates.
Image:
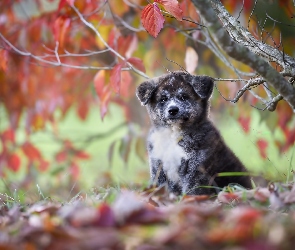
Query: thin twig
(117, 54)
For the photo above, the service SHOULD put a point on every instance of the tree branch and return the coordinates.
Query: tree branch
(242, 52)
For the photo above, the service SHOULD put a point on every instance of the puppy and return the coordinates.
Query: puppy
(185, 150)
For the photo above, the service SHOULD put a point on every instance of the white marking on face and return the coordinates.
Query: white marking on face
(172, 103)
(166, 148)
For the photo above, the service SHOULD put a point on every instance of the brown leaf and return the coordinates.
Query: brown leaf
(195, 198)
(191, 60)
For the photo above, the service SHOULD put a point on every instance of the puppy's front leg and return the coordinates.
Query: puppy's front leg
(183, 168)
(194, 181)
(158, 176)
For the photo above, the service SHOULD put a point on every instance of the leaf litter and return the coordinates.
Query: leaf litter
(261, 218)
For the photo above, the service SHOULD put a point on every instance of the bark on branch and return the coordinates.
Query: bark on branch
(240, 51)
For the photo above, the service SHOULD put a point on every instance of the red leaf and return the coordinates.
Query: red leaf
(61, 156)
(13, 162)
(152, 19)
(290, 139)
(31, 151)
(83, 109)
(103, 91)
(285, 115)
(75, 171)
(127, 45)
(225, 197)
(147, 215)
(245, 123)
(106, 216)
(104, 103)
(60, 27)
(127, 90)
(99, 82)
(3, 60)
(61, 4)
(43, 165)
(137, 63)
(115, 78)
(8, 135)
(172, 7)
(82, 155)
(262, 146)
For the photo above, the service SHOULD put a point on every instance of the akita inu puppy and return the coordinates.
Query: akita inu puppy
(185, 150)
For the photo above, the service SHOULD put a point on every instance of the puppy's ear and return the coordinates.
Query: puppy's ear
(146, 89)
(203, 86)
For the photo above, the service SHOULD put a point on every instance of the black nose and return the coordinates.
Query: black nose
(173, 110)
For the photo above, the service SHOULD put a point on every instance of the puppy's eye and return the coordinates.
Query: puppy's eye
(183, 97)
(164, 98)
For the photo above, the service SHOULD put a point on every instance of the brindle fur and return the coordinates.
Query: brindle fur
(185, 150)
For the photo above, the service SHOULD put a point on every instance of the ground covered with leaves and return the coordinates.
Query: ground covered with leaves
(261, 218)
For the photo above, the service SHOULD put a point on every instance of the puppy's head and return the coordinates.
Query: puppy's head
(177, 98)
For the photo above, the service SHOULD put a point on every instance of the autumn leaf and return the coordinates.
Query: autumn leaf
(137, 63)
(115, 78)
(225, 197)
(8, 135)
(104, 102)
(127, 45)
(106, 216)
(82, 155)
(245, 122)
(31, 151)
(172, 6)
(3, 59)
(262, 146)
(127, 90)
(83, 109)
(191, 60)
(103, 90)
(61, 25)
(74, 170)
(13, 162)
(43, 165)
(61, 4)
(152, 19)
(99, 82)
(61, 156)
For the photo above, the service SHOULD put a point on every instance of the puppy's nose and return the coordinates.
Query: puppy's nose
(173, 110)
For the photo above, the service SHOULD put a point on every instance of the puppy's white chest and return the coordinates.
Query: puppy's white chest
(166, 148)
